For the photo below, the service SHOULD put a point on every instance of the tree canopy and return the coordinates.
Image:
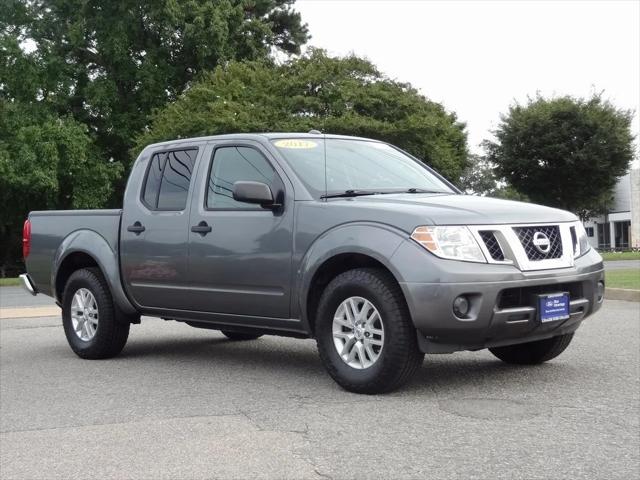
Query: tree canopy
(46, 162)
(480, 178)
(110, 63)
(564, 152)
(336, 95)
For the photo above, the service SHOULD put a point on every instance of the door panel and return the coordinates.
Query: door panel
(155, 230)
(243, 265)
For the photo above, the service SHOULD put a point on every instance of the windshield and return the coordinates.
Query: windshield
(356, 165)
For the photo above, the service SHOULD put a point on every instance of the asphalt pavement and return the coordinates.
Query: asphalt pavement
(186, 403)
(622, 264)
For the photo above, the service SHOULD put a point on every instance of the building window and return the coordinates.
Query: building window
(621, 230)
(589, 231)
(604, 236)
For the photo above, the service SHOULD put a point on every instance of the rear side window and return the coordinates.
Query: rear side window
(234, 164)
(168, 178)
(152, 183)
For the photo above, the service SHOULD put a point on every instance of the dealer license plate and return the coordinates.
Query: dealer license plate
(553, 307)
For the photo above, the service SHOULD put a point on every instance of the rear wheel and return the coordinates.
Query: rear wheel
(365, 336)
(89, 318)
(240, 336)
(533, 353)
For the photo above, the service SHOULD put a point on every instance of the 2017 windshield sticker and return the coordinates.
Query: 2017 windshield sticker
(295, 143)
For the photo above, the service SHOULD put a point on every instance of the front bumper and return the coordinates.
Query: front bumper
(502, 311)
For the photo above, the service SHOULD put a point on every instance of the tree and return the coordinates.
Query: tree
(336, 95)
(110, 63)
(564, 152)
(45, 163)
(480, 178)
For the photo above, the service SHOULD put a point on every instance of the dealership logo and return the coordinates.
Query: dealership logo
(541, 242)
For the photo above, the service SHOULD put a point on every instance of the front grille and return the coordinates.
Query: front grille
(528, 234)
(491, 242)
(525, 296)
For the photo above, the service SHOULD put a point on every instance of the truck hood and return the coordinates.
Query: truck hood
(463, 209)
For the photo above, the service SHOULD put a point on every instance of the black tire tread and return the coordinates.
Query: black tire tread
(405, 357)
(533, 353)
(112, 334)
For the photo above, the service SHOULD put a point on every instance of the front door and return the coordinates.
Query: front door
(240, 254)
(155, 229)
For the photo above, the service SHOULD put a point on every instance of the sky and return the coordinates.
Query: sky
(478, 57)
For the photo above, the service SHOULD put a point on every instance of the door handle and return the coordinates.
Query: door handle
(202, 228)
(136, 228)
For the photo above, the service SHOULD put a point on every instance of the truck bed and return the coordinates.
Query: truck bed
(49, 229)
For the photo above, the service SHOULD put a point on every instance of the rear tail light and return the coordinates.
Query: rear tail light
(26, 239)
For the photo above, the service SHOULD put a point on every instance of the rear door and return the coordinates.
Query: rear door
(242, 266)
(155, 229)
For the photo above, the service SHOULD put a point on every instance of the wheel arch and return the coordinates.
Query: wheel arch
(341, 249)
(84, 249)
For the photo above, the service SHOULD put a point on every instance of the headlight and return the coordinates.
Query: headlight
(580, 241)
(455, 243)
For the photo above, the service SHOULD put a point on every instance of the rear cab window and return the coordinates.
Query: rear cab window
(166, 185)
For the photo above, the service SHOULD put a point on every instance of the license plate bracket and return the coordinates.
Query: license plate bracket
(553, 307)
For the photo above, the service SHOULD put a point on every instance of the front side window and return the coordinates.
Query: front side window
(234, 164)
(168, 178)
(339, 165)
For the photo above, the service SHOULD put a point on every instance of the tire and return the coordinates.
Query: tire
(398, 356)
(533, 353)
(109, 335)
(240, 336)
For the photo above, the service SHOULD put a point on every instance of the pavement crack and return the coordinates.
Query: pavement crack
(101, 424)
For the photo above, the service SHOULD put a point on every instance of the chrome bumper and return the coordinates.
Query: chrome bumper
(28, 284)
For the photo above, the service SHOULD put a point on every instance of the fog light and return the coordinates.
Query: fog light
(600, 292)
(461, 306)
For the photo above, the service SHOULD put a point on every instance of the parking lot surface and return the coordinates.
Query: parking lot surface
(187, 403)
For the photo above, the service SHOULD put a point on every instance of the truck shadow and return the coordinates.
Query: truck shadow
(297, 362)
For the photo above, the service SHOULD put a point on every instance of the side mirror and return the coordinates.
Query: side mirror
(254, 192)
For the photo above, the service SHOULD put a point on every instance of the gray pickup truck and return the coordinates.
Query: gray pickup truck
(346, 240)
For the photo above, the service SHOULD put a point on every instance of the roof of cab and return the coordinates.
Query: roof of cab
(257, 136)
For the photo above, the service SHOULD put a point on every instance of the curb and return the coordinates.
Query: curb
(29, 312)
(622, 294)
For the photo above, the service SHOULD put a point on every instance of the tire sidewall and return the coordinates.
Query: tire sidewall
(324, 332)
(78, 280)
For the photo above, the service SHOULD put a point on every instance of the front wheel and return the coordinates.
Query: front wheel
(89, 317)
(364, 332)
(533, 353)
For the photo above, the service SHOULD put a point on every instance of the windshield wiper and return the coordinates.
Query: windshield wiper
(359, 193)
(421, 190)
(351, 193)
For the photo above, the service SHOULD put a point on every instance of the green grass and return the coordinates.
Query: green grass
(612, 256)
(9, 282)
(623, 278)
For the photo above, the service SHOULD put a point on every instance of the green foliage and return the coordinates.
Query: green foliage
(337, 95)
(79, 79)
(110, 63)
(615, 256)
(623, 278)
(480, 178)
(564, 152)
(45, 163)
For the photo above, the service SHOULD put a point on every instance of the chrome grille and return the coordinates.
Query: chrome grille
(493, 247)
(526, 237)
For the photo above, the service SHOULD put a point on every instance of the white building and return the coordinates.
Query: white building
(620, 227)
